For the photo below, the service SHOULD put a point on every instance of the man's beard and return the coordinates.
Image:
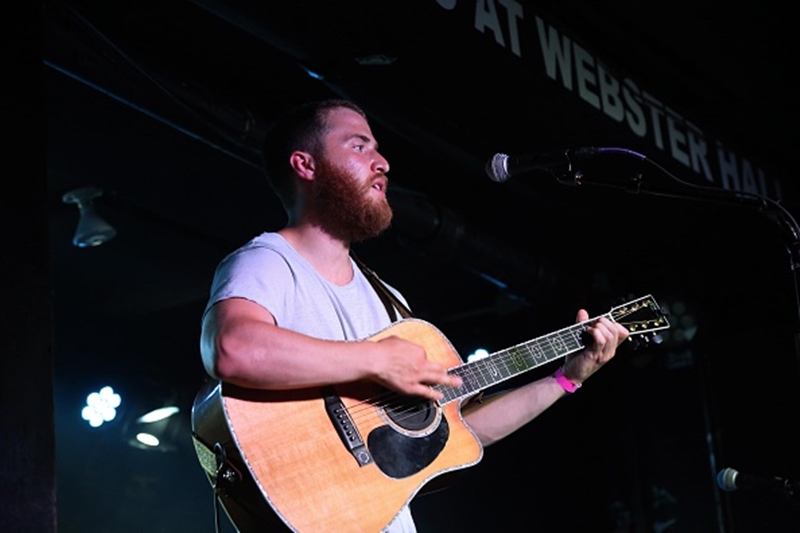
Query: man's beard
(345, 209)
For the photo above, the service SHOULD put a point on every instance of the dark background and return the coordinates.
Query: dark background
(161, 105)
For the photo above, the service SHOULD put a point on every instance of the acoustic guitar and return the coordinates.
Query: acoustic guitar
(350, 458)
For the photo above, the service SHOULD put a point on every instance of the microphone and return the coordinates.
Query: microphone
(730, 480)
(501, 166)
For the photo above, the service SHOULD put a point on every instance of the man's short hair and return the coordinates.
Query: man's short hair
(299, 128)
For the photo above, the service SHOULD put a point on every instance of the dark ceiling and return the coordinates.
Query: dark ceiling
(161, 104)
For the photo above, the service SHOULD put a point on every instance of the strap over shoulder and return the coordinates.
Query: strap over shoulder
(394, 306)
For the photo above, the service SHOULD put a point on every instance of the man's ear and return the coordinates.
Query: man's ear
(303, 164)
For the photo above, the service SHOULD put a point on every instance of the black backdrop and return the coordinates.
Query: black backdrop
(640, 444)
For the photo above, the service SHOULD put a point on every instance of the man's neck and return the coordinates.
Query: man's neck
(329, 256)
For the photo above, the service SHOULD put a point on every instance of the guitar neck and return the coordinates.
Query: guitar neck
(510, 362)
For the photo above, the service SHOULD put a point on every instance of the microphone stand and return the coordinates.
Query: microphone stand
(572, 176)
(774, 211)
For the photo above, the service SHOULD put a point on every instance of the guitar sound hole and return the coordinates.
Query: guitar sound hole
(411, 413)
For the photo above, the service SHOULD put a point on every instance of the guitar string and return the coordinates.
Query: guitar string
(386, 400)
(400, 407)
(507, 361)
(473, 371)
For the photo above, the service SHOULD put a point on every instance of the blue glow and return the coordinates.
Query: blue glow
(313, 74)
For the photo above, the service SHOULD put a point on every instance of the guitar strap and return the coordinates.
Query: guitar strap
(394, 306)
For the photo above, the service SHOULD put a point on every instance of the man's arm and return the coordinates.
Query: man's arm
(498, 417)
(241, 344)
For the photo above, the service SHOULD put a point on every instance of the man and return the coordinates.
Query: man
(281, 305)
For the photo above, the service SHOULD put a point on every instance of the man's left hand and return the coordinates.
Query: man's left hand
(604, 336)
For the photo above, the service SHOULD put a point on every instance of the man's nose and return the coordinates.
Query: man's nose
(380, 164)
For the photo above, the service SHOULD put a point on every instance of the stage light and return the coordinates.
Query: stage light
(158, 414)
(101, 407)
(480, 353)
(92, 230)
(148, 439)
(157, 429)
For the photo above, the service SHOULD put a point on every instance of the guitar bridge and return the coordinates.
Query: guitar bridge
(340, 418)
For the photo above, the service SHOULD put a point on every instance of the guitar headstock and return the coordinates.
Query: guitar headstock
(642, 317)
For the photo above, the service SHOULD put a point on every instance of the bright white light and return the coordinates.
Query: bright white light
(91, 416)
(101, 407)
(480, 353)
(158, 414)
(147, 439)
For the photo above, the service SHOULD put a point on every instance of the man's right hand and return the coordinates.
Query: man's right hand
(404, 367)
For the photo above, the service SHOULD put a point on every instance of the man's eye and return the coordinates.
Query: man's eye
(359, 148)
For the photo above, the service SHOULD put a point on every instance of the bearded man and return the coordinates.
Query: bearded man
(282, 304)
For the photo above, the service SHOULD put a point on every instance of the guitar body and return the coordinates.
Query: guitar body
(304, 463)
(349, 458)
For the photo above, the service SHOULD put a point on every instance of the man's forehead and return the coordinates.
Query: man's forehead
(344, 121)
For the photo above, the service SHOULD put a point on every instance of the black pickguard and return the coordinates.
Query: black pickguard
(398, 455)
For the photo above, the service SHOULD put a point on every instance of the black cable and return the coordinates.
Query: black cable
(764, 205)
(209, 121)
(217, 523)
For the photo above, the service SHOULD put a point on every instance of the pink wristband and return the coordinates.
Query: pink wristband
(565, 382)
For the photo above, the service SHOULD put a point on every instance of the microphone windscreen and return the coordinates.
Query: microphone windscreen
(726, 479)
(497, 168)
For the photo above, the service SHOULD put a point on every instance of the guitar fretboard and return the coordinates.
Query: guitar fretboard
(505, 364)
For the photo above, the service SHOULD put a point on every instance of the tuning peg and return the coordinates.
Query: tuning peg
(643, 340)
